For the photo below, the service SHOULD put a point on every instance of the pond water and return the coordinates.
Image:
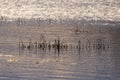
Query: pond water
(85, 63)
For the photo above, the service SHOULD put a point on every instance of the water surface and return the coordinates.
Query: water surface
(86, 63)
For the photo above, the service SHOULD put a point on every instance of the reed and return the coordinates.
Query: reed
(21, 45)
(61, 44)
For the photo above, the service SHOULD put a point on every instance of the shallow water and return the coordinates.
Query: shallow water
(86, 63)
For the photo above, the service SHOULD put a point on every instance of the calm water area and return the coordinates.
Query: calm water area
(85, 63)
